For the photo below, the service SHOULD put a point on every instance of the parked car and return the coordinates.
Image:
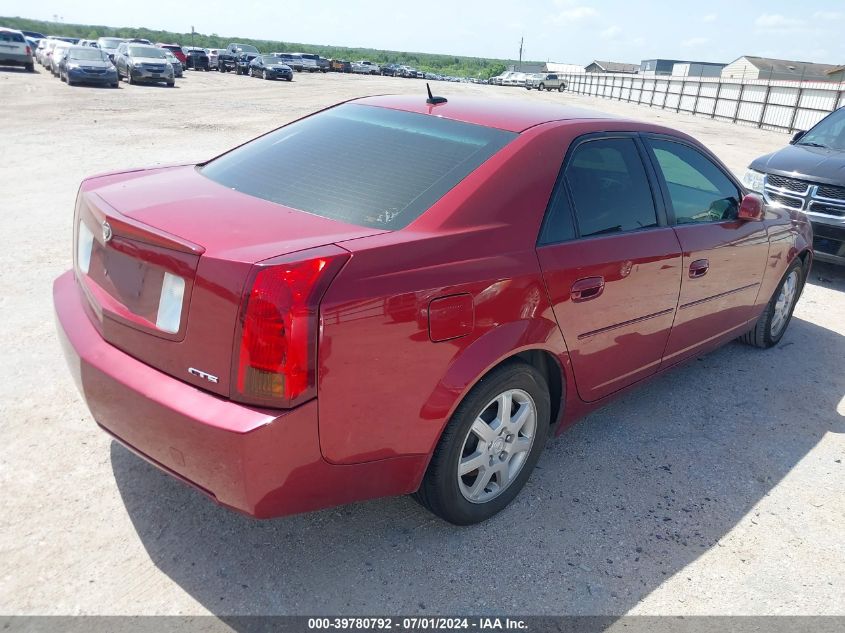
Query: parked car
(323, 64)
(228, 59)
(143, 63)
(389, 70)
(545, 81)
(109, 45)
(139, 40)
(59, 51)
(39, 52)
(86, 65)
(244, 61)
(809, 175)
(270, 67)
(409, 73)
(174, 61)
(212, 58)
(197, 58)
(14, 50)
(365, 67)
(291, 59)
(341, 66)
(176, 50)
(34, 35)
(70, 40)
(453, 318)
(308, 62)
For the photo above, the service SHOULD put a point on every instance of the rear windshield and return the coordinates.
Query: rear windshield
(359, 164)
(9, 36)
(109, 42)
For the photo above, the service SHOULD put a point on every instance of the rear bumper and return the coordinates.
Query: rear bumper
(14, 59)
(261, 462)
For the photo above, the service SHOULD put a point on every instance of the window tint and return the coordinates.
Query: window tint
(609, 187)
(698, 189)
(9, 36)
(359, 164)
(558, 226)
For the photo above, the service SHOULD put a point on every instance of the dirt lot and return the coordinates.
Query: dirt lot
(716, 489)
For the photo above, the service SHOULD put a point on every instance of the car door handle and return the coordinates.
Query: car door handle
(698, 268)
(587, 288)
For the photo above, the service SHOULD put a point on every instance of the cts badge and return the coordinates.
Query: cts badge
(106, 232)
(201, 374)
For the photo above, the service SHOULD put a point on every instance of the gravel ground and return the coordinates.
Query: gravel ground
(716, 489)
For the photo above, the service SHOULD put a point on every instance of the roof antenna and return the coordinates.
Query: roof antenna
(431, 98)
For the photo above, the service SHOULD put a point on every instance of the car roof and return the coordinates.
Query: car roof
(513, 115)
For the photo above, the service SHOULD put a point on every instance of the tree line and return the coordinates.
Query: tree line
(453, 65)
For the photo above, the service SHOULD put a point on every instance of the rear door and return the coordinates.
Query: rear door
(723, 257)
(611, 263)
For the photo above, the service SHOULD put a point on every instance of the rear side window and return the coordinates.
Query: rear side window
(359, 164)
(609, 186)
(698, 189)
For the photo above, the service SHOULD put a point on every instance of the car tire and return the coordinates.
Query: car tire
(560, 88)
(290, 79)
(474, 496)
(30, 68)
(129, 79)
(171, 84)
(541, 87)
(264, 75)
(115, 85)
(772, 324)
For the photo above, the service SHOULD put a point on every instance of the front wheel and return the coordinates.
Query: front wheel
(264, 74)
(489, 447)
(560, 88)
(541, 87)
(771, 326)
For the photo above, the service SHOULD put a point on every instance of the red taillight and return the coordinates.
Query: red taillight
(276, 348)
(28, 51)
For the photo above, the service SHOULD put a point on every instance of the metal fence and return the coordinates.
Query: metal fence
(784, 106)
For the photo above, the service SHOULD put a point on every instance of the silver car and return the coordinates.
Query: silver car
(545, 81)
(14, 49)
(174, 61)
(142, 63)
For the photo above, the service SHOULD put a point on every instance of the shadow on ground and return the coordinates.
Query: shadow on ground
(827, 275)
(619, 503)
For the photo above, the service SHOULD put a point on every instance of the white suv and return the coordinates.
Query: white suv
(14, 51)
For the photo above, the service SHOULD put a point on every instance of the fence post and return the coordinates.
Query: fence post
(697, 95)
(765, 102)
(797, 105)
(681, 94)
(739, 100)
(665, 95)
(718, 94)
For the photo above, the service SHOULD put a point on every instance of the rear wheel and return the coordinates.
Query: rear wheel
(489, 447)
(560, 88)
(541, 87)
(264, 74)
(771, 326)
(30, 67)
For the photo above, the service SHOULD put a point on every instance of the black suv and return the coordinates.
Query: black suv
(228, 59)
(809, 174)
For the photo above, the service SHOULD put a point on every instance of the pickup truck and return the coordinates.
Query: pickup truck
(545, 81)
(364, 67)
(228, 59)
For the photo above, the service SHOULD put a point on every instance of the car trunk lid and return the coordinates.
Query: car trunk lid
(162, 257)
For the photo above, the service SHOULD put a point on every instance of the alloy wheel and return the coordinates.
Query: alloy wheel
(784, 303)
(496, 446)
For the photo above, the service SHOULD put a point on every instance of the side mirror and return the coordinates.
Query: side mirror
(797, 136)
(751, 208)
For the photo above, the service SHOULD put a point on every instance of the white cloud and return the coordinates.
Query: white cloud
(828, 15)
(710, 17)
(778, 22)
(575, 14)
(694, 42)
(611, 32)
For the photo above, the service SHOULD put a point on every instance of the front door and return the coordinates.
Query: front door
(723, 257)
(611, 265)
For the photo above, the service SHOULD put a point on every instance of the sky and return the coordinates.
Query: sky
(567, 31)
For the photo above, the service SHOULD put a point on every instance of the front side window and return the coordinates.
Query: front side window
(698, 189)
(609, 187)
(377, 167)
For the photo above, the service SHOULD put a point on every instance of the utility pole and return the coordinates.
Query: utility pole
(192, 36)
(521, 40)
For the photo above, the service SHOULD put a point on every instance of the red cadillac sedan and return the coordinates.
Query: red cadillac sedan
(398, 295)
